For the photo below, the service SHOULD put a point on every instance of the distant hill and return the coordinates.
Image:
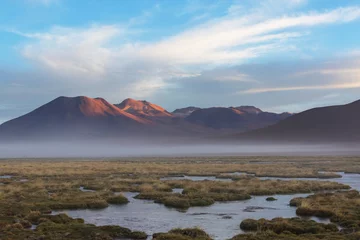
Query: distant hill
(240, 118)
(91, 118)
(325, 124)
(65, 116)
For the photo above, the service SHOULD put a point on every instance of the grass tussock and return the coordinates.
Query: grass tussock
(57, 227)
(58, 184)
(119, 199)
(342, 208)
(296, 226)
(183, 234)
(269, 235)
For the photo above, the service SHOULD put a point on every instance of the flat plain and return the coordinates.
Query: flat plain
(33, 191)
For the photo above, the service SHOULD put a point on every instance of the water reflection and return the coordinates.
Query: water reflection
(177, 190)
(150, 217)
(221, 220)
(5, 176)
(83, 189)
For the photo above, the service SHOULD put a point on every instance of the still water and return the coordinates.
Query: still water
(220, 220)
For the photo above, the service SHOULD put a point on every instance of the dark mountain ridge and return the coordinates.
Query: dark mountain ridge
(239, 118)
(324, 124)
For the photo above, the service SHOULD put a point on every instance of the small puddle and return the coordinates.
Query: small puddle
(5, 176)
(177, 190)
(240, 174)
(83, 189)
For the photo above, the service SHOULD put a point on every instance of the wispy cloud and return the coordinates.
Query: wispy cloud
(349, 72)
(297, 88)
(333, 77)
(72, 50)
(226, 40)
(110, 56)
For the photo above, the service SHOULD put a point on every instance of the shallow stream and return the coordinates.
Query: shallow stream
(220, 220)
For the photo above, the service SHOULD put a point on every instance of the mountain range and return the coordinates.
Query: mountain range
(92, 118)
(325, 124)
(84, 117)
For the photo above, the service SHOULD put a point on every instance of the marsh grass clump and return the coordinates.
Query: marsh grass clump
(183, 234)
(201, 201)
(54, 185)
(269, 235)
(189, 199)
(176, 202)
(61, 226)
(293, 225)
(53, 230)
(36, 218)
(249, 225)
(342, 207)
(78, 204)
(119, 199)
(270, 199)
(121, 232)
(295, 202)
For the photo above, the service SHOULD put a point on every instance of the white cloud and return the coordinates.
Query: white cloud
(234, 77)
(225, 40)
(108, 53)
(297, 88)
(337, 78)
(71, 51)
(343, 72)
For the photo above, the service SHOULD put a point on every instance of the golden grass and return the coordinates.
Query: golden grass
(54, 183)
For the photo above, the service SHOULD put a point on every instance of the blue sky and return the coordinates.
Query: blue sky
(279, 55)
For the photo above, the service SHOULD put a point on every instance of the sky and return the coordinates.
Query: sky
(278, 55)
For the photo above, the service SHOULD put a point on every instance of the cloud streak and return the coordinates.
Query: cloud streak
(340, 78)
(297, 88)
(227, 40)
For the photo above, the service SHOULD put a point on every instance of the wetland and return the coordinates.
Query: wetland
(180, 198)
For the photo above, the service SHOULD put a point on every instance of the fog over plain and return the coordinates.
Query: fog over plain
(105, 149)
